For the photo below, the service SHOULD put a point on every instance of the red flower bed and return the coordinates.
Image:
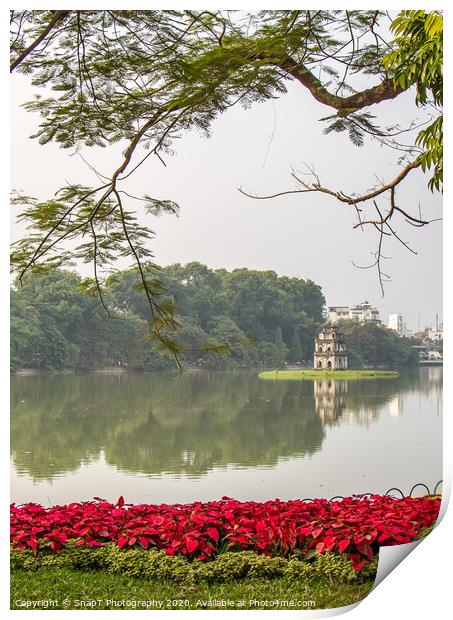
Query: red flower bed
(356, 526)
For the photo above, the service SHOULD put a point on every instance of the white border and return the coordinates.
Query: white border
(422, 585)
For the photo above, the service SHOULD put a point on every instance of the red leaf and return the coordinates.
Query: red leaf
(356, 565)
(94, 543)
(213, 533)
(329, 542)
(191, 545)
(365, 550)
(342, 545)
(274, 527)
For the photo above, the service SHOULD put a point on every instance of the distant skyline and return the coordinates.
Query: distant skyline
(306, 235)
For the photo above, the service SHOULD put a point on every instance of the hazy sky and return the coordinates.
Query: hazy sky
(303, 235)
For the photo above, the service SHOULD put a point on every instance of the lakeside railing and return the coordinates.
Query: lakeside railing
(389, 492)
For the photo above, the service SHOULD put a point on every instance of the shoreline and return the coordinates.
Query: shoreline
(346, 375)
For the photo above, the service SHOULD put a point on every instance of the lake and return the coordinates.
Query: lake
(158, 437)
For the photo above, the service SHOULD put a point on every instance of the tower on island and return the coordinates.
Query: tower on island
(330, 351)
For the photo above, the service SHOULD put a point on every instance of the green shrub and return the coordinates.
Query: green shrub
(152, 564)
(299, 569)
(226, 567)
(425, 531)
(334, 566)
(265, 567)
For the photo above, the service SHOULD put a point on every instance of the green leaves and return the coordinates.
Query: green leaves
(147, 77)
(357, 124)
(431, 140)
(159, 207)
(417, 59)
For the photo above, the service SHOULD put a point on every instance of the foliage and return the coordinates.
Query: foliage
(417, 59)
(226, 567)
(226, 319)
(145, 78)
(375, 346)
(356, 526)
(349, 375)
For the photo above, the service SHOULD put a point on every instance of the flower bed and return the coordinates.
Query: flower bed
(355, 526)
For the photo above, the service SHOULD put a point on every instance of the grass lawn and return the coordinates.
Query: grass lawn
(65, 588)
(333, 374)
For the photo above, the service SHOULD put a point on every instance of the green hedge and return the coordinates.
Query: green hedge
(226, 567)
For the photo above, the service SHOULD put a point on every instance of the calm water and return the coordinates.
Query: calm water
(156, 438)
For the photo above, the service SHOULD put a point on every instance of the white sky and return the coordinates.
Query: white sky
(304, 235)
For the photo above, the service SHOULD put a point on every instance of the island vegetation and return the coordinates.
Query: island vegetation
(333, 374)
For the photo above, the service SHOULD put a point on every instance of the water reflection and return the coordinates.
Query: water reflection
(329, 400)
(155, 424)
(350, 401)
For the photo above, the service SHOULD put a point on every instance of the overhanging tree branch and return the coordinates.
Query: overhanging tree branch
(382, 223)
(57, 17)
(344, 105)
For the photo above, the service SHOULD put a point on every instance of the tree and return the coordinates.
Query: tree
(54, 308)
(295, 349)
(281, 350)
(145, 77)
(416, 58)
(224, 331)
(374, 345)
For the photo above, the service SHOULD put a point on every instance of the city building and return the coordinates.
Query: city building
(363, 313)
(396, 323)
(436, 334)
(330, 350)
(336, 313)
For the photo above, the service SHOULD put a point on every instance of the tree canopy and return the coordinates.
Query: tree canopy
(145, 77)
(238, 319)
(225, 320)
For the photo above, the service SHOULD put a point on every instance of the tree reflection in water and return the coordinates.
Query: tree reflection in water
(155, 423)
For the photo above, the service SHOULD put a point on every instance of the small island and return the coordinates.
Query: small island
(330, 360)
(346, 375)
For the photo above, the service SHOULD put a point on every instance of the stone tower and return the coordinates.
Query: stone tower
(330, 350)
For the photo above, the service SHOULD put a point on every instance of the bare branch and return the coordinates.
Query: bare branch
(381, 223)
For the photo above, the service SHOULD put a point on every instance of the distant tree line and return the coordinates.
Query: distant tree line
(243, 318)
(373, 345)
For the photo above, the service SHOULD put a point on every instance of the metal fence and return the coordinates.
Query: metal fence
(391, 491)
